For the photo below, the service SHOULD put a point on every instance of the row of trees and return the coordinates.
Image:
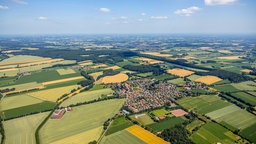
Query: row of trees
(145, 68)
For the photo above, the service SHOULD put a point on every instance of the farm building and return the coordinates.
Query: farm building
(57, 114)
(179, 112)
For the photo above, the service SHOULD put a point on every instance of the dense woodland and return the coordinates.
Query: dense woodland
(145, 68)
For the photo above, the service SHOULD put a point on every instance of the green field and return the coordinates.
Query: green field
(19, 59)
(118, 124)
(245, 97)
(17, 101)
(87, 96)
(196, 123)
(213, 133)
(80, 119)
(65, 71)
(164, 76)
(234, 116)
(248, 85)
(159, 112)
(250, 133)
(166, 123)
(22, 130)
(29, 109)
(193, 77)
(121, 137)
(24, 86)
(226, 88)
(143, 119)
(203, 104)
(145, 74)
(177, 81)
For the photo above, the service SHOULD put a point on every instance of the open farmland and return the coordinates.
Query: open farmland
(247, 85)
(229, 58)
(52, 94)
(112, 67)
(166, 123)
(23, 87)
(178, 81)
(145, 135)
(148, 60)
(65, 71)
(226, 88)
(246, 70)
(87, 96)
(158, 54)
(79, 120)
(213, 133)
(122, 137)
(118, 124)
(196, 123)
(180, 72)
(233, 116)
(245, 97)
(203, 104)
(143, 119)
(193, 77)
(96, 75)
(249, 133)
(63, 80)
(208, 79)
(115, 78)
(20, 59)
(22, 130)
(85, 63)
(18, 101)
(159, 112)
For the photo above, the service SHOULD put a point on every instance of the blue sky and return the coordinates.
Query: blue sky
(127, 16)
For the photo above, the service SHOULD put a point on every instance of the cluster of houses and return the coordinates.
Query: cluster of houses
(58, 113)
(147, 94)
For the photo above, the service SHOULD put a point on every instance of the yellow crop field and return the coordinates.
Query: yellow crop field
(65, 71)
(180, 72)
(208, 79)
(246, 70)
(85, 63)
(145, 135)
(82, 138)
(121, 77)
(230, 57)
(52, 94)
(157, 54)
(10, 69)
(21, 59)
(113, 68)
(99, 66)
(149, 61)
(224, 51)
(63, 80)
(96, 74)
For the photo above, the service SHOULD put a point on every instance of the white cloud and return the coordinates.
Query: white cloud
(42, 18)
(143, 14)
(140, 20)
(219, 2)
(3, 7)
(159, 17)
(187, 12)
(104, 10)
(123, 17)
(19, 2)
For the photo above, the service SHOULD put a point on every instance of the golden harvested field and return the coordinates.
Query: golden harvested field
(44, 61)
(224, 51)
(7, 70)
(148, 61)
(157, 54)
(82, 138)
(113, 68)
(62, 80)
(65, 71)
(208, 79)
(99, 66)
(121, 77)
(85, 63)
(180, 72)
(21, 59)
(52, 94)
(145, 135)
(96, 74)
(230, 57)
(246, 70)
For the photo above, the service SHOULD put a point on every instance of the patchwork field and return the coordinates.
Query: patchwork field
(112, 67)
(224, 51)
(65, 71)
(18, 101)
(249, 133)
(245, 97)
(203, 104)
(52, 94)
(193, 77)
(63, 80)
(122, 137)
(166, 123)
(118, 124)
(196, 123)
(22, 130)
(247, 85)
(233, 116)
(79, 120)
(23, 87)
(96, 74)
(145, 135)
(180, 72)
(177, 81)
(229, 58)
(148, 61)
(20, 59)
(157, 54)
(99, 66)
(213, 133)
(159, 112)
(87, 96)
(143, 118)
(85, 63)
(208, 79)
(115, 78)
(226, 88)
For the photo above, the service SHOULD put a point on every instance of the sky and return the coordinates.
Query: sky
(127, 16)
